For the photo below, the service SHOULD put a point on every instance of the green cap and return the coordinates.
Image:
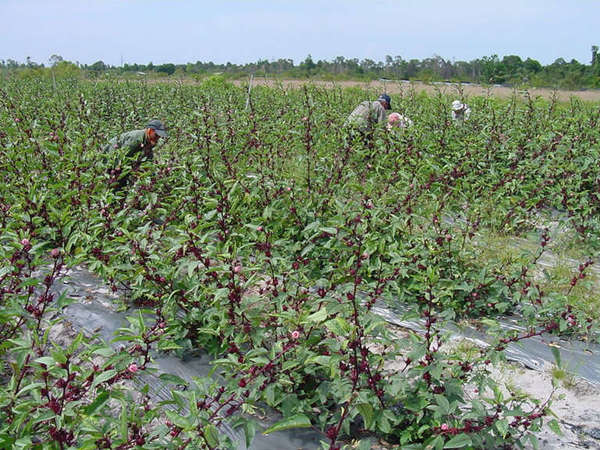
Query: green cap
(157, 126)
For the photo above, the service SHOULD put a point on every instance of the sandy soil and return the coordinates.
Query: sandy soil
(574, 402)
(403, 88)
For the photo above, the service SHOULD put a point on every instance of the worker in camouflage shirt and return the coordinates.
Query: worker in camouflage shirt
(127, 151)
(368, 114)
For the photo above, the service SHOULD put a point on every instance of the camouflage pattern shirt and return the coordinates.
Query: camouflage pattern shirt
(132, 146)
(366, 115)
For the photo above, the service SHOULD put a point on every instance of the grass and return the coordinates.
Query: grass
(562, 377)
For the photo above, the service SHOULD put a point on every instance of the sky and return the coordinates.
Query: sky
(242, 31)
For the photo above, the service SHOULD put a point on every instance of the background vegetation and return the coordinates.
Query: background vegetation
(510, 70)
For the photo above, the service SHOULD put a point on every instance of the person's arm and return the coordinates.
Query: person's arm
(112, 145)
(380, 114)
(137, 150)
(112, 152)
(133, 144)
(123, 149)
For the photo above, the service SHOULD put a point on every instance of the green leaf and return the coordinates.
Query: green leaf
(89, 445)
(249, 432)
(210, 214)
(556, 353)
(415, 403)
(490, 323)
(267, 213)
(47, 360)
(179, 420)
(44, 416)
(534, 441)
(329, 230)
(555, 427)
(75, 344)
(321, 360)
(29, 387)
(318, 317)
(311, 226)
(252, 226)
(207, 330)
(24, 442)
(97, 403)
(260, 359)
(297, 421)
(164, 346)
(270, 395)
(64, 301)
(338, 326)
(126, 337)
(193, 265)
(443, 404)
(180, 399)
(59, 356)
(384, 425)
(307, 249)
(437, 443)
(365, 444)
(104, 351)
(170, 378)
(458, 441)
(502, 426)
(124, 420)
(366, 411)
(211, 435)
(104, 376)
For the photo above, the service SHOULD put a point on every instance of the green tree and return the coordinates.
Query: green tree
(308, 64)
(595, 67)
(98, 66)
(169, 69)
(66, 69)
(532, 66)
(513, 67)
(55, 59)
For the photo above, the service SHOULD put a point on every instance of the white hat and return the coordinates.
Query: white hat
(394, 117)
(398, 120)
(457, 105)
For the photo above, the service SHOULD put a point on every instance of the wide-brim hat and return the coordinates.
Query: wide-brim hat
(457, 105)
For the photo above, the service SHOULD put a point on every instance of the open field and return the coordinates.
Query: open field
(255, 246)
(402, 88)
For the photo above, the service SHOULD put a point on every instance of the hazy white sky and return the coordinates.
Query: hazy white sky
(241, 31)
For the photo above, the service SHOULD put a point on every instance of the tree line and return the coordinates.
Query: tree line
(510, 70)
